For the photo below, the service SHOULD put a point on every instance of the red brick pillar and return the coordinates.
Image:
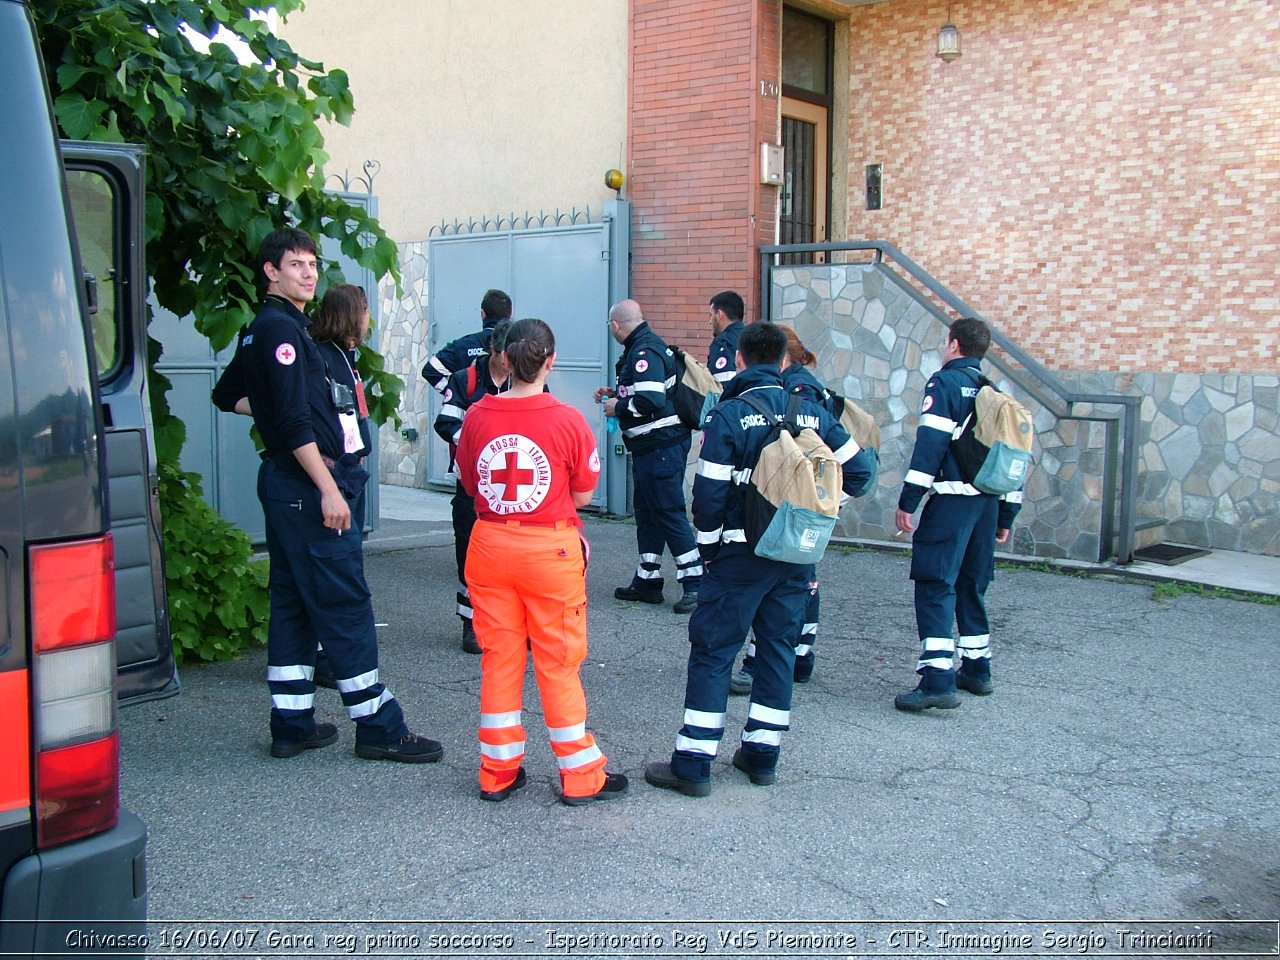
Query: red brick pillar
(703, 96)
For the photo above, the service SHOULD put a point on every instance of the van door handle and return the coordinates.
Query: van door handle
(91, 292)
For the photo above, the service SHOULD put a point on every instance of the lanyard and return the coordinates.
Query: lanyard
(361, 404)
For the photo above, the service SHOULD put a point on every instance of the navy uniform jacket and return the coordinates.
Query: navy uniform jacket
(732, 437)
(457, 355)
(286, 376)
(645, 412)
(457, 399)
(801, 381)
(949, 399)
(721, 359)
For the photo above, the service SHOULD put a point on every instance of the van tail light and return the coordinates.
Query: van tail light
(73, 626)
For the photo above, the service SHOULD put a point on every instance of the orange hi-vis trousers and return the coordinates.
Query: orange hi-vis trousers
(529, 581)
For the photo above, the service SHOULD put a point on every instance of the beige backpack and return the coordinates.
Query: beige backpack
(993, 449)
(792, 500)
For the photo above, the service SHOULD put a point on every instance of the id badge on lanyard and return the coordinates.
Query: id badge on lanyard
(350, 423)
(350, 419)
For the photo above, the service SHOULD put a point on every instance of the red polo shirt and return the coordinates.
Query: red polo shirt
(521, 458)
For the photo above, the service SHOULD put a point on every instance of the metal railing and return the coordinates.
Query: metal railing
(1031, 375)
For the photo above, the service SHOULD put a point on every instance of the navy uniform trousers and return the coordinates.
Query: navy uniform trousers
(464, 520)
(952, 564)
(319, 596)
(741, 592)
(808, 632)
(658, 481)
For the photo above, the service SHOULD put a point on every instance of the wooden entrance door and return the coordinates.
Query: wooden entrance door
(805, 133)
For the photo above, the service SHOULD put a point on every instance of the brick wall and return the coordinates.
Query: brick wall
(697, 119)
(1101, 179)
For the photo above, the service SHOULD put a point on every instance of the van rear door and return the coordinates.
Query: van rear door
(106, 185)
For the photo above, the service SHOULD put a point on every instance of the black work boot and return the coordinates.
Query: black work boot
(937, 688)
(803, 671)
(637, 593)
(688, 603)
(761, 778)
(615, 785)
(661, 775)
(469, 642)
(975, 680)
(410, 748)
(325, 734)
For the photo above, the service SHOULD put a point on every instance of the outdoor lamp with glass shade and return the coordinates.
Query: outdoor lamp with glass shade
(948, 40)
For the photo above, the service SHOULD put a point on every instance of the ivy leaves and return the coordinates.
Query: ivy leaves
(233, 149)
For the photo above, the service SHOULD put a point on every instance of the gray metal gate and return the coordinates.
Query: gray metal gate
(564, 272)
(218, 446)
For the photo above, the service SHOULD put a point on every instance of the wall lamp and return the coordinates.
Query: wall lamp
(948, 40)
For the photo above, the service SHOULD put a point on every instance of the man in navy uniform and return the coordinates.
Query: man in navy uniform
(659, 444)
(461, 353)
(953, 551)
(489, 374)
(741, 591)
(727, 311)
(311, 481)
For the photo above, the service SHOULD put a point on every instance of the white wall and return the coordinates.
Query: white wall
(474, 107)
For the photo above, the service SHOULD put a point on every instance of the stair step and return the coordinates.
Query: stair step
(1148, 532)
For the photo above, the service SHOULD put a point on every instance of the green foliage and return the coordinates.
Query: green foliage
(234, 150)
(217, 593)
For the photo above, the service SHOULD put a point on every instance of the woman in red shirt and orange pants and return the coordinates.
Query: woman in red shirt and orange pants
(530, 461)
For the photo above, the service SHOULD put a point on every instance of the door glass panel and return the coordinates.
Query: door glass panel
(806, 52)
(93, 202)
(797, 201)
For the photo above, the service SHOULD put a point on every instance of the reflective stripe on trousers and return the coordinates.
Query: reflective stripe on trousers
(319, 597)
(544, 599)
(661, 521)
(952, 564)
(739, 593)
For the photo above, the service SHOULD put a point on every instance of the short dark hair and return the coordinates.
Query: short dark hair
(529, 343)
(730, 303)
(341, 314)
(973, 336)
(762, 343)
(495, 305)
(279, 242)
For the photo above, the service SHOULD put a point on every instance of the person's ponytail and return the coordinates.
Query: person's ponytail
(529, 343)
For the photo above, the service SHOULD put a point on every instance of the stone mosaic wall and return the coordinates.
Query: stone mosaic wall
(402, 340)
(1210, 445)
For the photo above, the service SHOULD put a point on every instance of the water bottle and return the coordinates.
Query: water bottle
(611, 424)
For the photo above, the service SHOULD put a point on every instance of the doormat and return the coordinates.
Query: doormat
(1169, 553)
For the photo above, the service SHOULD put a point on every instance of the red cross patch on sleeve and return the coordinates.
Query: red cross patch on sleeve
(286, 354)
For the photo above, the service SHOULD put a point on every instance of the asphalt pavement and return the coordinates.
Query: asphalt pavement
(1125, 768)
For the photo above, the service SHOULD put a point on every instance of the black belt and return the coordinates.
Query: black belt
(289, 463)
